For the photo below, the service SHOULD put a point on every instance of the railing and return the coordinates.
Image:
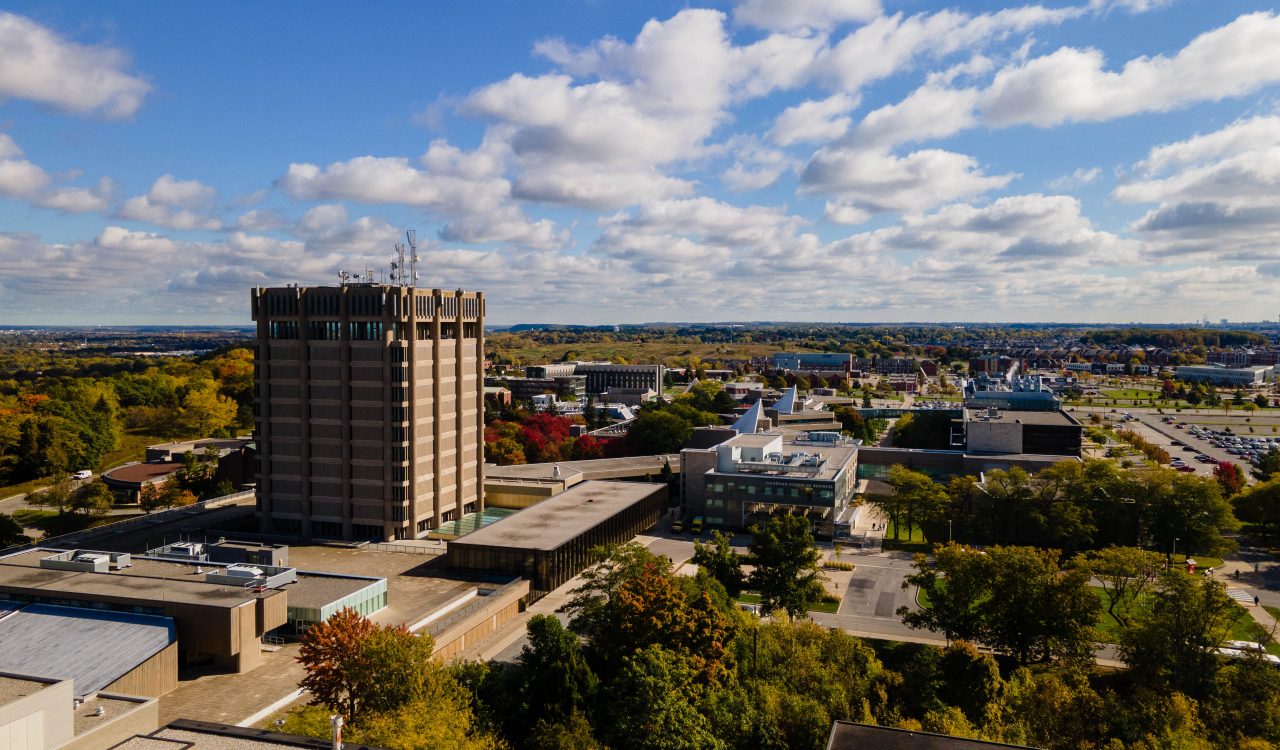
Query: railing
(149, 519)
(439, 627)
(411, 549)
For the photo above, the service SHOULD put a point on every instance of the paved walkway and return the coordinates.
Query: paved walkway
(231, 698)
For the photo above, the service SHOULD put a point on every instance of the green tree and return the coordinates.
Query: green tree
(1126, 575)
(956, 583)
(1037, 610)
(57, 496)
(93, 499)
(1260, 504)
(1172, 640)
(786, 565)
(721, 562)
(915, 498)
(652, 704)
(655, 432)
(11, 532)
(558, 683)
(1268, 466)
(205, 411)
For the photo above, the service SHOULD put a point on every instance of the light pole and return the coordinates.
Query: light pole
(948, 531)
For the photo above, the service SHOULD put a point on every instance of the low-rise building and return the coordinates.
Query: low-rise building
(1235, 377)
(39, 712)
(749, 477)
(552, 541)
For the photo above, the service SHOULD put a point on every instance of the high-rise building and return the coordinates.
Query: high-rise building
(370, 409)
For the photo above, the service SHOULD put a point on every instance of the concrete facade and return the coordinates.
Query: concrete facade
(370, 409)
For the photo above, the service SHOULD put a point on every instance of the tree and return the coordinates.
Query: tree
(205, 411)
(1230, 476)
(1260, 504)
(11, 532)
(956, 584)
(786, 565)
(1268, 466)
(149, 498)
(57, 496)
(652, 707)
(1126, 574)
(655, 432)
(93, 499)
(916, 497)
(331, 652)
(1172, 641)
(558, 683)
(721, 562)
(1037, 610)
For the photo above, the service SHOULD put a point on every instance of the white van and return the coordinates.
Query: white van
(82, 474)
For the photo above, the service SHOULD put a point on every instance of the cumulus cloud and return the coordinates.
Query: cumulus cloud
(890, 44)
(874, 181)
(78, 200)
(814, 121)
(19, 178)
(929, 112)
(1072, 85)
(39, 65)
(1214, 193)
(792, 15)
(173, 203)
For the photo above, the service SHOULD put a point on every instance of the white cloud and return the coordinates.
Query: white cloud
(929, 112)
(1131, 6)
(814, 121)
(78, 200)
(1079, 177)
(19, 178)
(260, 220)
(1214, 194)
(1072, 85)
(173, 203)
(39, 65)
(787, 15)
(890, 44)
(875, 182)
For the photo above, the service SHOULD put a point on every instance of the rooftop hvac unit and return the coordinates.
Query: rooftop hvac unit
(88, 557)
(244, 571)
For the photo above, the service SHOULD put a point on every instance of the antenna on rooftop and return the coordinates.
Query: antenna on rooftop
(404, 271)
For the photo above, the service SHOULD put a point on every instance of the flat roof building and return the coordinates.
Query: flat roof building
(1237, 377)
(370, 409)
(552, 541)
(39, 712)
(747, 478)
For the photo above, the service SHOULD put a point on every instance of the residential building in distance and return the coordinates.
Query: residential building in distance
(370, 409)
(812, 361)
(1235, 377)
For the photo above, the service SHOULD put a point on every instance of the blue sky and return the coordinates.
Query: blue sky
(601, 161)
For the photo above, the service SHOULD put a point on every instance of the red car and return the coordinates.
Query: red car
(1186, 468)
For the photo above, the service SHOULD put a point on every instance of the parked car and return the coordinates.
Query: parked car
(1184, 467)
(82, 474)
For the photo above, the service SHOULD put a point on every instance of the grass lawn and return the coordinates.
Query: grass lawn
(916, 541)
(1244, 629)
(750, 597)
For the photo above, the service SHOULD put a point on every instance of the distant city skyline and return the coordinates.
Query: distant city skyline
(609, 163)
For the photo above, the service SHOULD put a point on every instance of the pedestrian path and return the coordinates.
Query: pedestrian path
(1240, 595)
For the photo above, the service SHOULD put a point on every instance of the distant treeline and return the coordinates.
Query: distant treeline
(1173, 339)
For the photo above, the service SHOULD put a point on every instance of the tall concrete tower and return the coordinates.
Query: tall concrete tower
(370, 409)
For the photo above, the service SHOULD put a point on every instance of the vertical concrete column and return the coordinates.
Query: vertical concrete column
(437, 300)
(480, 404)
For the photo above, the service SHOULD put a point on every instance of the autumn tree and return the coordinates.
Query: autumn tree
(1260, 504)
(331, 652)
